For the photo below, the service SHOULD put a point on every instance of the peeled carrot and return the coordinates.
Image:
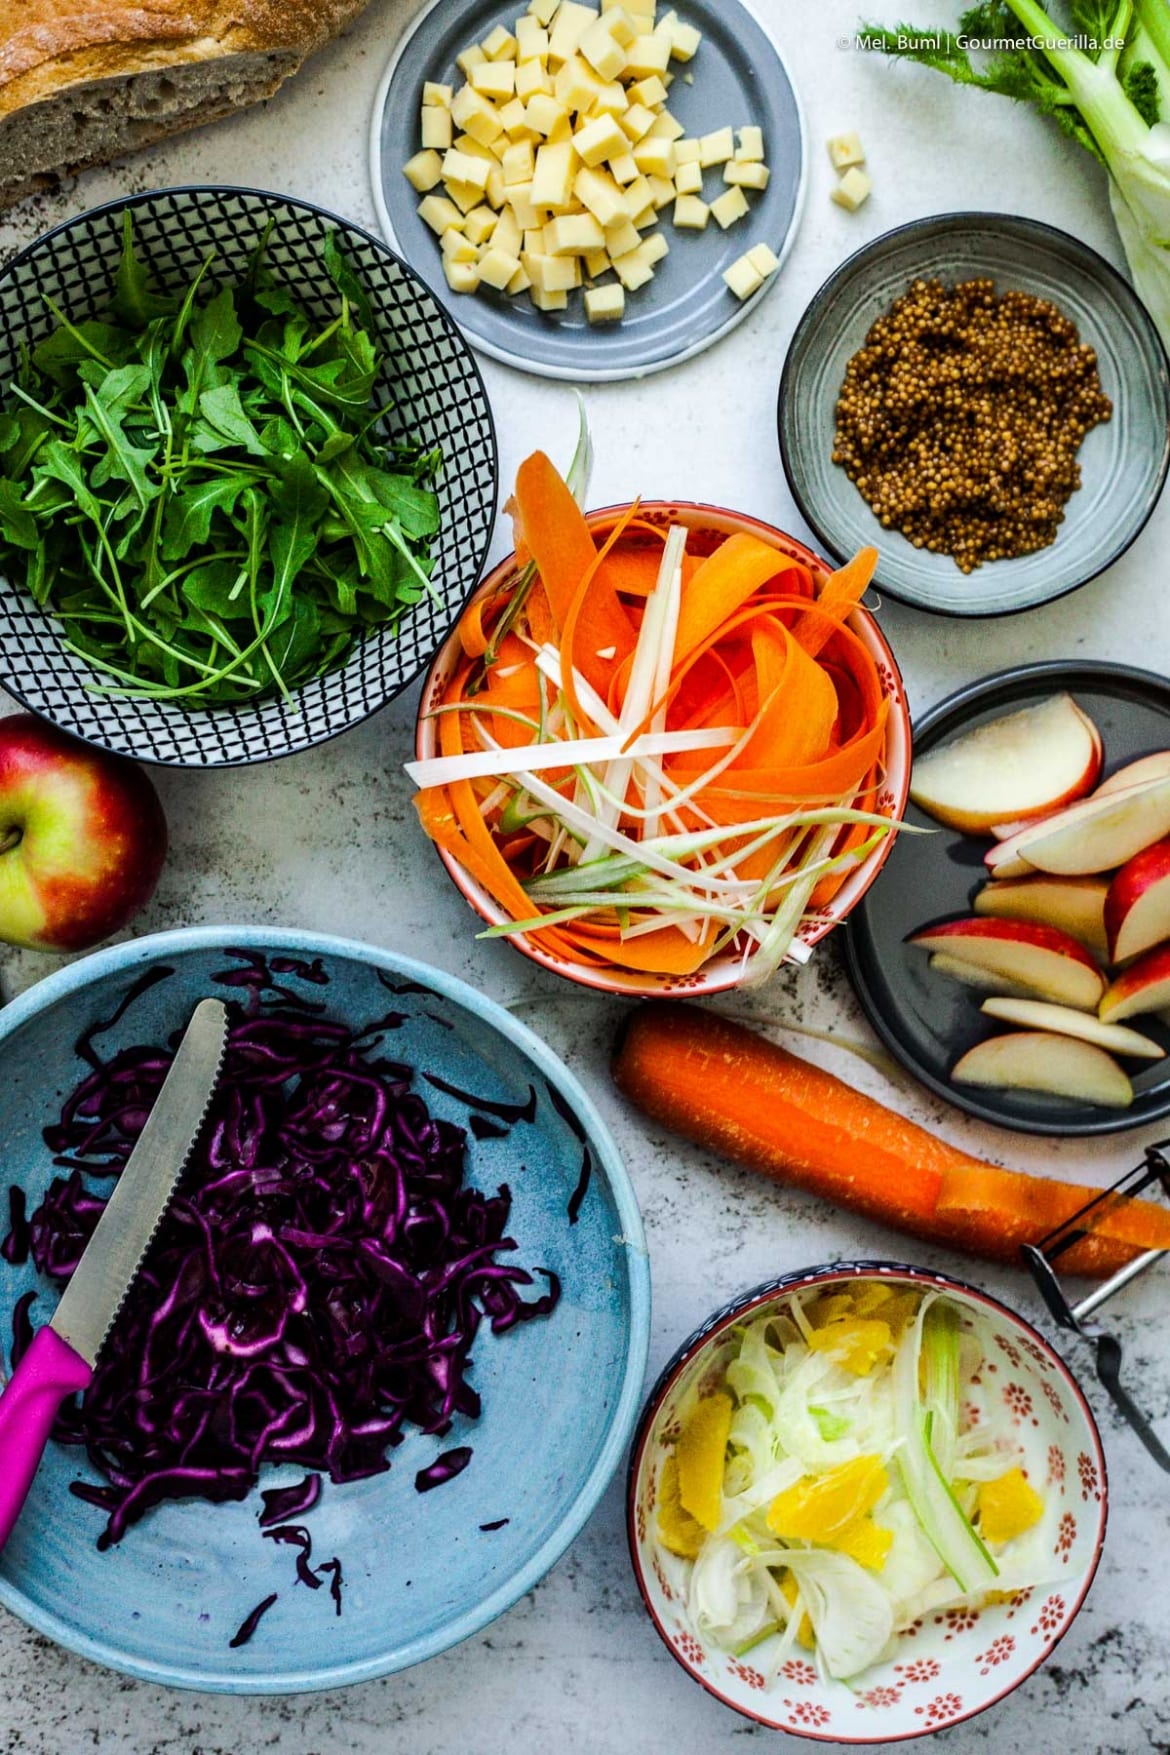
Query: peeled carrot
(731, 1091)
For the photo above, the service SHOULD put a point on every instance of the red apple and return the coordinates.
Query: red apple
(1073, 904)
(1038, 958)
(1037, 1014)
(1137, 908)
(1155, 766)
(1097, 834)
(1022, 765)
(1032, 1060)
(1143, 987)
(971, 975)
(82, 838)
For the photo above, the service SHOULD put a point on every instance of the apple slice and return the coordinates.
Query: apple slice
(1073, 904)
(1137, 908)
(973, 976)
(1020, 765)
(1034, 1060)
(1143, 987)
(1004, 860)
(1044, 961)
(1098, 834)
(1037, 1014)
(1155, 766)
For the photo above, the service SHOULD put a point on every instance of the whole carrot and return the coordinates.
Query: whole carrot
(731, 1091)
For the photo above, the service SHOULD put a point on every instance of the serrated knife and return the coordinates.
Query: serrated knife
(63, 1354)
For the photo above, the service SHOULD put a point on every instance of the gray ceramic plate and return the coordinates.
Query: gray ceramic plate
(1123, 463)
(739, 78)
(928, 1020)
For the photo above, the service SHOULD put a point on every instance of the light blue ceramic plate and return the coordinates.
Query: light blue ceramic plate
(739, 77)
(559, 1396)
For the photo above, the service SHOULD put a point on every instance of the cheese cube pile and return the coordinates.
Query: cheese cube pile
(548, 168)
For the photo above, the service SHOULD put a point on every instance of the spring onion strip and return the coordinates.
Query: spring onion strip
(489, 764)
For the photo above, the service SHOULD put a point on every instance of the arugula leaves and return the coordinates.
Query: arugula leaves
(191, 481)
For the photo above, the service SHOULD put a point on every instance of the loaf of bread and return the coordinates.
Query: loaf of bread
(83, 81)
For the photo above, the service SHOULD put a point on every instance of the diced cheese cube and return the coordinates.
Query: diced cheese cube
(568, 27)
(473, 148)
(647, 55)
(634, 9)
(653, 248)
(751, 145)
(764, 260)
(845, 150)
(600, 195)
(716, 148)
(514, 116)
(623, 169)
(648, 91)
(621, 238)
(462, 277)
(480, 225)
(636, 121)
(531, 39)
(611, 100)
(466, 196)
(597, 263)
(496, 191)
(619, 24)
(437, 94)
(544, 113)
(748, 176)
(494, 79)
(560, 131)
(518, 163)
(440, 214)
(533, 243)
(602, 50)
(633, 272)
(552, 273)
(688, 179)
(691, 213)
(688, 152)
(643, 26)
(500, 45)
(496, 268)
(472, 56)
(684, 38)
(602, 139)
(665, 127)
(638, 196)
(552, 181)
(743, 277)
(548, 301)
(573, 234)
(423, 171)
(729, 207)
(852, 190)
(459, 248)
(576, 85)
(654, 157)
(663, 192)
(528, 218)
(476, 116)
(436, 131)
(542, 10)
(507, 235)
(605, 304)
(460, 167)
(519, 282)
(532, 77)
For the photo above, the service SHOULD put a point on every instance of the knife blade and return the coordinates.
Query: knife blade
(61, 1359)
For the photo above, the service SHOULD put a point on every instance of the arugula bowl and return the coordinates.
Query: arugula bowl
(249, 475)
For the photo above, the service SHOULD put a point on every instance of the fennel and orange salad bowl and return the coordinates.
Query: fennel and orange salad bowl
(665, 747)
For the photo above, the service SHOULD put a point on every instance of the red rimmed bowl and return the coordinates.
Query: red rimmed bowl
(708, 525)
(956, 1661)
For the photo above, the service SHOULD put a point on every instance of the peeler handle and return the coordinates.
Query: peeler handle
(49, 1371)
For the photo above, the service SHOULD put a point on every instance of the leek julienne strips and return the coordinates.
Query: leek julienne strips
(489, 763)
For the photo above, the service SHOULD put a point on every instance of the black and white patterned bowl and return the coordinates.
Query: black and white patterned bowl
(438, 396)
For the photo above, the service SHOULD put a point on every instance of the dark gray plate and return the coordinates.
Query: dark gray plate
(739, 78)
(928, 1020)
(1123, 463)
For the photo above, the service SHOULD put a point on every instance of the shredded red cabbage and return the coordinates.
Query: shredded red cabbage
(317, 1284)
(250, 1623)
(444, 1468)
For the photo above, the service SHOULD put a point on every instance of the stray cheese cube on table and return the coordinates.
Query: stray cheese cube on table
(852, 190)
(423, 171)
(729, 206)
(846, 150)
(605, 304)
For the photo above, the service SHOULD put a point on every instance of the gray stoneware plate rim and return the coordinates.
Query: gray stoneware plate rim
(483, 324)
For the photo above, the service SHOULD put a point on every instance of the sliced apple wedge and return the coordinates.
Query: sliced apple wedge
(971, 975)
(1137, 908)
(1072, 904)
(1045, 962)
(1155, 766)
(1098, 834)
(1020, 765)
(1037, 1014)
(1004, 861)
(1143, 987)
(1035, 1060)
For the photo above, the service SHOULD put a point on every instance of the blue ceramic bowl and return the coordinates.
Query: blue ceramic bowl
(559, 1396)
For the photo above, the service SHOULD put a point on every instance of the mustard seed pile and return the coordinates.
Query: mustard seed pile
(960, 419)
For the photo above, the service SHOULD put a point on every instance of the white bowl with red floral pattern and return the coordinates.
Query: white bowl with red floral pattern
(954, 1663)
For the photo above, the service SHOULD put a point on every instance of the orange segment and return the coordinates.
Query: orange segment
(701, 1449)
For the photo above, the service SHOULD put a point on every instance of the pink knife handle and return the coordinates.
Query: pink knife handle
(49, 1371)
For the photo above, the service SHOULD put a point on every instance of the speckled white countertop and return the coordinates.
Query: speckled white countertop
(576, 1665)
